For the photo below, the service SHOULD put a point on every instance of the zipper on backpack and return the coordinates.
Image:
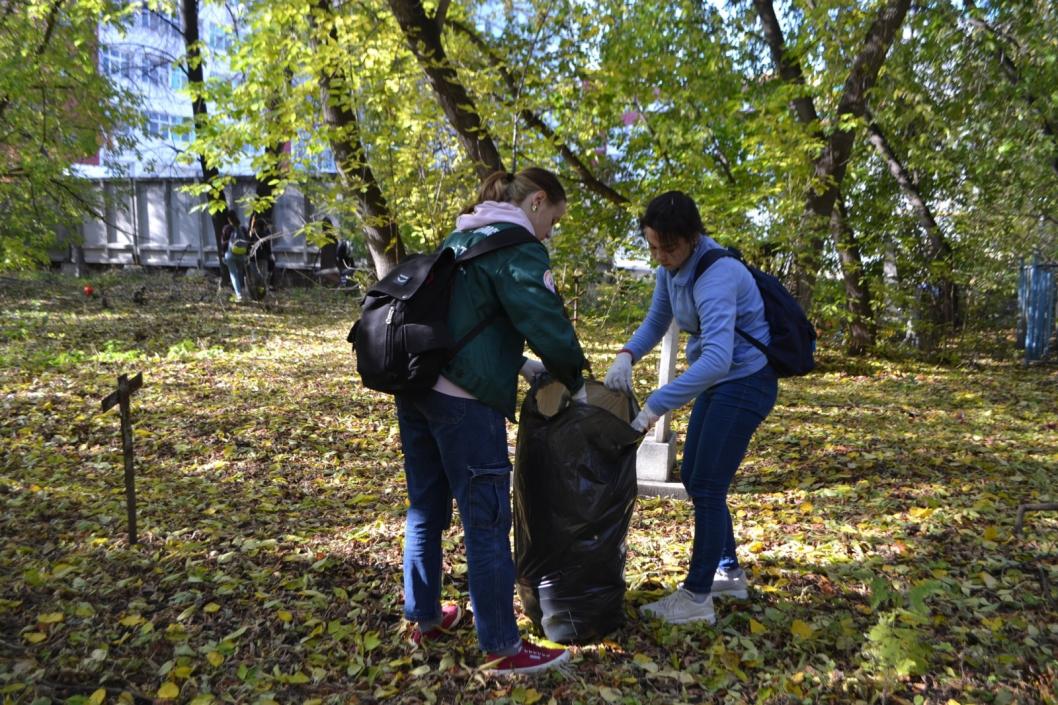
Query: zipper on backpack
(392, 310)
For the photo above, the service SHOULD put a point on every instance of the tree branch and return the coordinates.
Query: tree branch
(588, 178)
(424, 39)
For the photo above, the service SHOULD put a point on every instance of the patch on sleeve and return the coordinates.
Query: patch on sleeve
(549, 282)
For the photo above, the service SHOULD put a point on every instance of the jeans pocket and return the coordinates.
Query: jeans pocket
(490, 496)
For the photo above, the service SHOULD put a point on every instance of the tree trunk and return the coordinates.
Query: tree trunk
(788, 67)
(857, 293)
(830, 166)
(380, 229)
(938, 251)
(587, 177)
(196, 75)
(424, 39)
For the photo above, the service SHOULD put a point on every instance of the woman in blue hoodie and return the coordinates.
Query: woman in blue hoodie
(729, 379)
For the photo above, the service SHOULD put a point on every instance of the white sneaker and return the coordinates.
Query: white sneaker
(730, 584)
(680, 608)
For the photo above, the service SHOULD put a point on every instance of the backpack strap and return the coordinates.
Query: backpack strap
(705, 263)
(510, 234)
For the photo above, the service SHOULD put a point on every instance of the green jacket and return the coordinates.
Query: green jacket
(516, 282)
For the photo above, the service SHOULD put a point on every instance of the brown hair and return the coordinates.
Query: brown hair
(507, 187)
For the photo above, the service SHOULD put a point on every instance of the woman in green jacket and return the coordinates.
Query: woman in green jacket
(454, 436)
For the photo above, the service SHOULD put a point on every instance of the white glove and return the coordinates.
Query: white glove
(646, 419)
(531, 369)
(581, 395)
(619, 376)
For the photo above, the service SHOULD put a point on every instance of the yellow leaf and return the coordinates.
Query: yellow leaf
(284, 616)
(921, 512)
(50, 617)
(132, 620)
(991, 533)
(610, 695)
(168, 691)
(645, 662)
(952, 701)
(34, 637)
(801, 629)
(97, 697)
(214, 658)
(211, 607)
(806, 507)
(756, 627)
(182, 671)
(203, 699)
(756, 547)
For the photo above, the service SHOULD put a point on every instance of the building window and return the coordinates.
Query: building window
(219, 39)
(154, 70)
(170, 128)
(156, 21)
(177, 77)
(112, 61)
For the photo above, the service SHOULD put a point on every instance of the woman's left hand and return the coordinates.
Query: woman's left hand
(647, 417)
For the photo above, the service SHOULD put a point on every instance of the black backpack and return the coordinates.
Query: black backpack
(402, 340)
(793, 337)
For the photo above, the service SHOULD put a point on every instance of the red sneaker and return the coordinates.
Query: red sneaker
(529, 659)
(451, 615)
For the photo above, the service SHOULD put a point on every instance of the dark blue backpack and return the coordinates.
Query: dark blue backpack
(793, 337)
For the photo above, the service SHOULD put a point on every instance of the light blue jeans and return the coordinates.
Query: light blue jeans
(236, 270)
(457, 448)
(722, 423)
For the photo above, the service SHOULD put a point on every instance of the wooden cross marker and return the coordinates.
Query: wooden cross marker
(125, 389)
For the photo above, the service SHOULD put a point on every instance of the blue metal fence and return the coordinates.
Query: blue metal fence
(1037, 296)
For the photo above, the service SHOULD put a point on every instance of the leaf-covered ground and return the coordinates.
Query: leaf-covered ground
(875, 513)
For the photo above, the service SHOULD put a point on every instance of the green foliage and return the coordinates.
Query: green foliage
(55, 109)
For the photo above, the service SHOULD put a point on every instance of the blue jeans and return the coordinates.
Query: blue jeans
(457, 448)
(722, 422)
(236, 267)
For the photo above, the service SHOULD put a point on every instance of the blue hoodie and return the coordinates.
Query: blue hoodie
(708, 309)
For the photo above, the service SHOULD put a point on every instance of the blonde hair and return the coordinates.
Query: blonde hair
(507, 187)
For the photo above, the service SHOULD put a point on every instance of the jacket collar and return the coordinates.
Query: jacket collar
(683, 276)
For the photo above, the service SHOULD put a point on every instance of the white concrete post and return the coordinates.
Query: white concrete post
(657, 453)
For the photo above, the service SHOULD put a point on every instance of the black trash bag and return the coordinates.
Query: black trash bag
(574, 492)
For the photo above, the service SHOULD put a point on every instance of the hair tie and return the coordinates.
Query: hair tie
(509, 176)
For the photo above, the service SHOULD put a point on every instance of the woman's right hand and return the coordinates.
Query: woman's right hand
(619, 376)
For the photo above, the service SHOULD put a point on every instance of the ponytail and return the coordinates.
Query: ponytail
(507, 187)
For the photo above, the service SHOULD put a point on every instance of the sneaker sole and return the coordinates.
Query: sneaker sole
(686, 620)
(530, 669)
(740, 594)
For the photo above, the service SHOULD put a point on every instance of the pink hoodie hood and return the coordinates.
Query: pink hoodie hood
(488, 212)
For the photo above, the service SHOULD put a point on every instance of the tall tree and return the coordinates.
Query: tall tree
(381, 230)
(829, 167)
(423, 36)
(196, 85)
(56, 109)
(587, 176)
(938, 254)
(858, 298)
